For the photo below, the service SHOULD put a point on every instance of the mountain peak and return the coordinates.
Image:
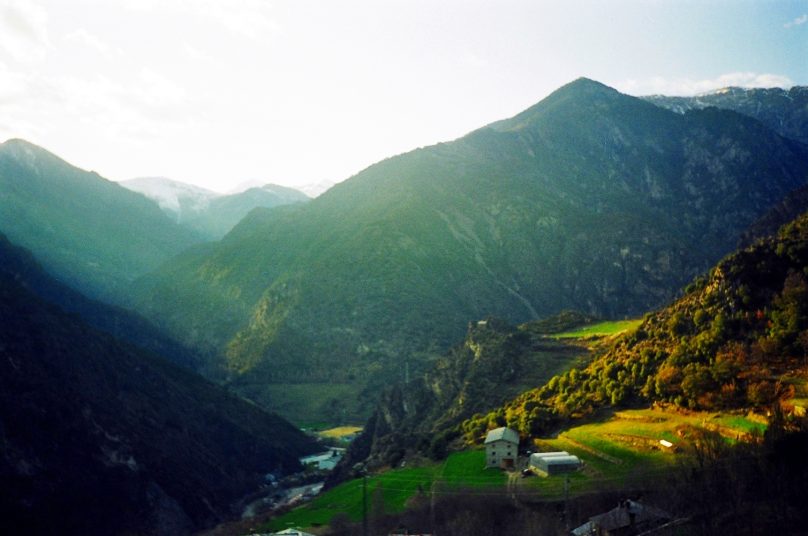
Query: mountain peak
(584, 83)
(581, 91)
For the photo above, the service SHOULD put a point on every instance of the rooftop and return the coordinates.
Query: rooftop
(502, 433)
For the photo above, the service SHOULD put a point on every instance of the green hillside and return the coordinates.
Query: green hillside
(590, 200)
(738, 338)
(91, 233)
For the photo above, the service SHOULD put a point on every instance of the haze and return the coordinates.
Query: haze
(218, 92)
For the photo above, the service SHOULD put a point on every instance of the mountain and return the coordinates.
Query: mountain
(99, 437)
(311, 189)
(89, 232)
(590, 200)
(783, 212)
(177, 199)
(783, 110)
(224, 212)
(494, 363)
(737, 339)
(209, 213)
(19, 265)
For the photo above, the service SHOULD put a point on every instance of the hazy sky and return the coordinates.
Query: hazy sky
(216, 92)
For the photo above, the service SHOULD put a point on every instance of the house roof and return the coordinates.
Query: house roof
(559, 460)
(502, 433)
(536, 456)
(621, 516)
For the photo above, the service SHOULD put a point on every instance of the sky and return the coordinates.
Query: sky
(297, 92)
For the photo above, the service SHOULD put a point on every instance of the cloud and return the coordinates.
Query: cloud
(23, 31)
(146, 105)
(84, 37)
(193, 53)
(249, 18)
(802, 19)
(687, 87)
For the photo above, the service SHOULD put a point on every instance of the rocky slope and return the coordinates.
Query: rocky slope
(783, 110)
(493, 364)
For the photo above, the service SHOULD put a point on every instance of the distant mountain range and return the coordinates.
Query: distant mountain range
(589, 200)
(100, 437)
(783, 110)
(311, 189)
(209, 213)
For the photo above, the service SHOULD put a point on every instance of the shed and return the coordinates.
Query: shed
(553, 463)
(501, 448)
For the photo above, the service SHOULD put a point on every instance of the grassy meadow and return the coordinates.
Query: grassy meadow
(601, 329)
(616, 451)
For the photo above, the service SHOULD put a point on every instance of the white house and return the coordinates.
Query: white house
(501, 448)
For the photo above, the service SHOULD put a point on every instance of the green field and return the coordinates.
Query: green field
(460, 469)
(618, 451)
(340, 431)
(601, 329)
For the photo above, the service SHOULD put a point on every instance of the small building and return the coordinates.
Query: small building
(553, 463)
(628, 519)
(501, 448)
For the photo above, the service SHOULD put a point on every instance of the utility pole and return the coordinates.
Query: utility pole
(432, 506)
(360, 468)
(566, 498)
(365, 503)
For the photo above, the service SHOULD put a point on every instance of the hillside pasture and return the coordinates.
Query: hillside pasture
(622, 450)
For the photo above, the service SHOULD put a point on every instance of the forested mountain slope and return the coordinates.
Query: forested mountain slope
(590, 200)
(738, 338)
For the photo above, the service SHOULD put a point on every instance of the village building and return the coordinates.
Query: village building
(628, 519)
(553, 463)
(501, 448)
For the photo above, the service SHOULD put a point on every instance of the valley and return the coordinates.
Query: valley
(572, 273)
